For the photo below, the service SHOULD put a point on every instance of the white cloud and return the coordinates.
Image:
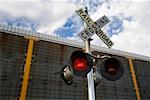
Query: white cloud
(135, 37)
(50, 15)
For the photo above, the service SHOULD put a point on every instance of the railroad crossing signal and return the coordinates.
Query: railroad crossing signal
(94, 27)
(81, 63)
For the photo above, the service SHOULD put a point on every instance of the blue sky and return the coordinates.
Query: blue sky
(128, 28)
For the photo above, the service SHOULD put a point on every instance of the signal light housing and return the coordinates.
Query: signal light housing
(112, 69)
(67, 75)
(81, 63)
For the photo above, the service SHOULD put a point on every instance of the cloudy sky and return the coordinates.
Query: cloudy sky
(128, 28)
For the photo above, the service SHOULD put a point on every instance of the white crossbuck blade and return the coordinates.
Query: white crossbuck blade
(94, 27)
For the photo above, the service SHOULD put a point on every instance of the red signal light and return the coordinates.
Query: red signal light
(80, 64)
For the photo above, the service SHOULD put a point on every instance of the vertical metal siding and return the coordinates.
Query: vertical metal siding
(45, 82)
(12, 56)
(142, 70)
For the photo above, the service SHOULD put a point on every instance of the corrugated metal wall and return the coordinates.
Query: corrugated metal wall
(142, 69)
(12, 59)
(45, 83)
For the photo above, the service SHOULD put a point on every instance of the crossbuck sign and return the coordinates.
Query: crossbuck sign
(94, 27)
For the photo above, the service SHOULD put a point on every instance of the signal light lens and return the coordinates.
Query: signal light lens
(80, 64)
(112, 69)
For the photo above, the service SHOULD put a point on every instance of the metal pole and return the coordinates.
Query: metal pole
(91, 91)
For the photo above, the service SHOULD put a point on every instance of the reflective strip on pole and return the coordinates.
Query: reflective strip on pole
(134, 79)
(26, 70)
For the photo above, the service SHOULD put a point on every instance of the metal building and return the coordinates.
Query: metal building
(30, 64)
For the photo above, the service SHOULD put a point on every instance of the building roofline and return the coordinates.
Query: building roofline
(59, 40)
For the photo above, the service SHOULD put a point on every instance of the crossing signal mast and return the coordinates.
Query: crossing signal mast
(81, 63)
